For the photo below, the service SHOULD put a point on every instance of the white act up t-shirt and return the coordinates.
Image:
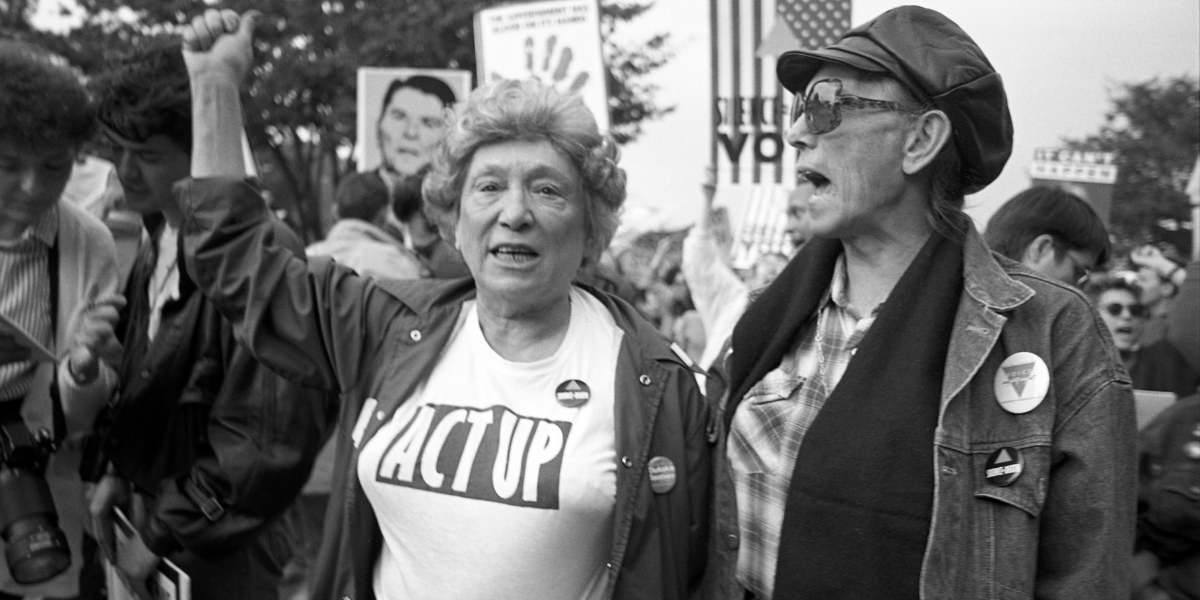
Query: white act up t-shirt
(497, 479)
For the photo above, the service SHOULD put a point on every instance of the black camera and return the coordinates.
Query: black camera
(34, 546)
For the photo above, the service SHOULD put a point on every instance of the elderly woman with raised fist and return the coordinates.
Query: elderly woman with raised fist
(509, 435)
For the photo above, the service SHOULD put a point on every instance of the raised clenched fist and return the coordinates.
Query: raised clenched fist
(219, 43)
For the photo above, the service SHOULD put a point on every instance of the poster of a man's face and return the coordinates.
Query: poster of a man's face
(402, 115)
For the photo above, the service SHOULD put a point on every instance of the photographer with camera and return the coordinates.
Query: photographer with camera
(58, 288)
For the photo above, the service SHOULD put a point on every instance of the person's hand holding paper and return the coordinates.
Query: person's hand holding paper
(17, 345)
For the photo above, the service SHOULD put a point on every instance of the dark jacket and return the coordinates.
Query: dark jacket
(1159, 367)
(1064, 528)
(376, 342)
(1169, 496)
(196, 424)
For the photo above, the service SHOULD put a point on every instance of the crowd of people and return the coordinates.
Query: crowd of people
(463, 391)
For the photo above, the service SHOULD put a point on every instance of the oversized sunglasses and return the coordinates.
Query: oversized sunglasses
(1116, 308)
(822, 108)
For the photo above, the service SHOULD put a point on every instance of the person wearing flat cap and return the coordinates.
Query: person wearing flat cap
(906, 414)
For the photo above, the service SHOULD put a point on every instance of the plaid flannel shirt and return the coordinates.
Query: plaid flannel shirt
(770, 423)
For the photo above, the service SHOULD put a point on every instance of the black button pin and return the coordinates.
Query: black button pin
(572, 393)
(1003, 467)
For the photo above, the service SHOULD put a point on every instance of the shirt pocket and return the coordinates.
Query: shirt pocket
(1028, 491)
(1007, 518)
(774, 389)
(760, 425)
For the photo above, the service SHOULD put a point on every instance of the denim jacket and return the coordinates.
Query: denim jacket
(1064, 529)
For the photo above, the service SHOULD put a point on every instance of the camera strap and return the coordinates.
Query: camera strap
(60, 419)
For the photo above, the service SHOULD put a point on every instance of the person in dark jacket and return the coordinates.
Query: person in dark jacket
(1167, 558)
(907, 415)
(197, 431)
(505, 436)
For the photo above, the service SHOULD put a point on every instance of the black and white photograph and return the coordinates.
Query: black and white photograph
(402, 114)
(599, 300)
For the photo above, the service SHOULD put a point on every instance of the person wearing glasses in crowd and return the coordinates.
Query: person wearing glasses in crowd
(1156, 366)
(1051, 231)
(905, 415)
(508, 435)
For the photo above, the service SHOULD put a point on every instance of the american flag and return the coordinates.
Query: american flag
(747, 36)
(754, 164)
(815, 23)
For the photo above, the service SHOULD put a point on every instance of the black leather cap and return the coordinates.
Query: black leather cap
(935, 59)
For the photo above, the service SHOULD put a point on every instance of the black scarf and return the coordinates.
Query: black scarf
(861, 495)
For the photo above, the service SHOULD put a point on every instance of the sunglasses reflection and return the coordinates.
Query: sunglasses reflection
(822, 107)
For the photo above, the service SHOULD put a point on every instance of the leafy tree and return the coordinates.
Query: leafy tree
(300, 107)
(14, 14)
(1154, 128)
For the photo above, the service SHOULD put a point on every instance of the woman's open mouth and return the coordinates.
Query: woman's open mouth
(515, 254)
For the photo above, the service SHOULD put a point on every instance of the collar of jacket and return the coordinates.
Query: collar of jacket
(986, 280)
(355, 229)
(148, 255)
(768, 328)
(990, 291)
(422, 295)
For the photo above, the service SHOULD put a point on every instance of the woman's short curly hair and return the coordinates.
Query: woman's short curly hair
(529, 110)
(42, 102)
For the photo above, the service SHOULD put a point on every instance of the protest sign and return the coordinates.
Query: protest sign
(557, 43)
(755, 166)
(1089, 175)
(402, 112)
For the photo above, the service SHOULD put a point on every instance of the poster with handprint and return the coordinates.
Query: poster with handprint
(556, 42)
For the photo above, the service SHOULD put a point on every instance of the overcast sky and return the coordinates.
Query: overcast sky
(1058, 59)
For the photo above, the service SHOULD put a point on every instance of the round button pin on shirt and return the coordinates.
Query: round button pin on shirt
(662, 474)
(572, 393)
(1003, 467)
(1021, 382)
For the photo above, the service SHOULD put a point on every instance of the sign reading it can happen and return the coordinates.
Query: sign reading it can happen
(1061, 164)
(557, 43)
(1087, 174)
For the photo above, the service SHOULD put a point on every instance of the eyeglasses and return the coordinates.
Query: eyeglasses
(1081, 274)
(822, 108)
(1081, 265)
(1116, 308)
